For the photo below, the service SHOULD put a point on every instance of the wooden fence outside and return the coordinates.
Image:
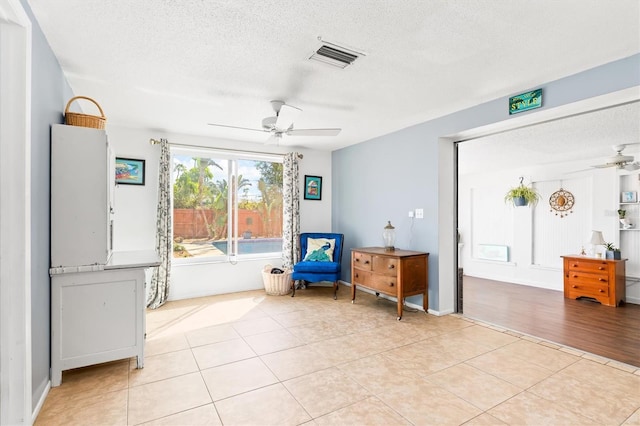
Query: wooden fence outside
(190, 223)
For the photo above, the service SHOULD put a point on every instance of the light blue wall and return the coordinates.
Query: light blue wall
(49, 93)
(386, 177)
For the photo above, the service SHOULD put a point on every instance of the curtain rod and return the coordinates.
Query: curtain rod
(155, 142)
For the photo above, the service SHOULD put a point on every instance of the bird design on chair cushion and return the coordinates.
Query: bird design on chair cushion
(320, 255)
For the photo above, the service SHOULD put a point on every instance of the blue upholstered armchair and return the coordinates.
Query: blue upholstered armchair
(320, 258)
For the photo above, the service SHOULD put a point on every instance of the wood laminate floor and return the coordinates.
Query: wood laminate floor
(582, 324)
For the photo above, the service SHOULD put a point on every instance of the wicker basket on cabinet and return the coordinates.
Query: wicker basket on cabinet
(84, 120)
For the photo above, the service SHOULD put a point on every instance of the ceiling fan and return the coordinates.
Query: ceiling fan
(282, 124)
(620, 161)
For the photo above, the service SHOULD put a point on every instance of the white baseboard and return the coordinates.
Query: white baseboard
(38, 407)
(633, 300)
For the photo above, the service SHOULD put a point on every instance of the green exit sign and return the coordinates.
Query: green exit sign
(525, 101)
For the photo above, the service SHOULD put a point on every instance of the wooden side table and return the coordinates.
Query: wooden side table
(397, 273)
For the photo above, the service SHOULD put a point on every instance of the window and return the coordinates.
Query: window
(225, 204)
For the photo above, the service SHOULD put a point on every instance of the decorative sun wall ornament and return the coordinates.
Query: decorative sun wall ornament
(561, 202)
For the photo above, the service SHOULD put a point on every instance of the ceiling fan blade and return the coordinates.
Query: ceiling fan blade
(314, 132)
(632, 167)
(287, 116)
(602, 166)
(239, 128)
(274, 139)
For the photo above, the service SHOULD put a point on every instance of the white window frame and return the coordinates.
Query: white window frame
(233, 156)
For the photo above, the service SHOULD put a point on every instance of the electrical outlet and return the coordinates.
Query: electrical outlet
(419, 214)
(411, 213)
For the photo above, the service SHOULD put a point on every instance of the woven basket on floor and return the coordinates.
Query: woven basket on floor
(84, 120)
(276, 284)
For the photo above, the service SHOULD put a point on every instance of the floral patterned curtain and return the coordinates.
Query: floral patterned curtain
(159, 289)
(291, 214)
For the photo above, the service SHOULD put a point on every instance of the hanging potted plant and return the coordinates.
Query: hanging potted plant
(612, 252)
(522, 195)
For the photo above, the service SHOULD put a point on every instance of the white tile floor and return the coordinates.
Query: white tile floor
(251, 359)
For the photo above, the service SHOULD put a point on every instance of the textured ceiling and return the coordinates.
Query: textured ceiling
(177, 65)
(588, 136)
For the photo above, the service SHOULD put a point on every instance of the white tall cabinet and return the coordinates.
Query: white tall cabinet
(82, 193)
(97, 295)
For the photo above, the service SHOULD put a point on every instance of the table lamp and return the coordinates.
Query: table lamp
(389, 237)
(596, 240)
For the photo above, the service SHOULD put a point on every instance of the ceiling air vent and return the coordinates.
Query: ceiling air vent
(335, 55)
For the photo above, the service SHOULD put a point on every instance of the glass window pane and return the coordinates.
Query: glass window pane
(259, 207)
(200, 206)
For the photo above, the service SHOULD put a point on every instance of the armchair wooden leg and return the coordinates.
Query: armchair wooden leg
(335, 290)
(293, 287)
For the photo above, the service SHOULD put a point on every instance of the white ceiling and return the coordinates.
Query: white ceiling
(174, 66)
(589, 136)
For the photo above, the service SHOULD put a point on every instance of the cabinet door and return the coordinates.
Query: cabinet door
(79, 196)
(96, 317)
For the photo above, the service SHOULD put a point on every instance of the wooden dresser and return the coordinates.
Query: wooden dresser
(600, 279)
(398, 273)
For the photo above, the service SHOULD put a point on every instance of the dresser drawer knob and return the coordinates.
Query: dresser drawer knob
(357, 276)
(575, 265)
(601, 268)
(601, 279)
(575, 276)
(390, 284)
(601, 290)
(391, 266)
(573, 286)
(366, 262)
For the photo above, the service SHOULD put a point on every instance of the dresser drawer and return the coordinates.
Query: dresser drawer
(383, 284)
(589, 290)
(375, 282)
(362, 261)
(385, 265)
(588, 266)
(586, 279)
(361, 277)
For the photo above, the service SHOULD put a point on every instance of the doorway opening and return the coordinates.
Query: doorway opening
(553, 163)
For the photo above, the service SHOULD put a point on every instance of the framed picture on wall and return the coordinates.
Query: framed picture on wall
(129, 171)
(629, 197)
(312, 187)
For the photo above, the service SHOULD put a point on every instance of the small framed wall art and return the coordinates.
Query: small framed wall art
(629, 197)
(312, 187)
(129, 171)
